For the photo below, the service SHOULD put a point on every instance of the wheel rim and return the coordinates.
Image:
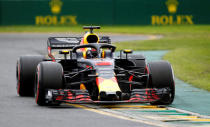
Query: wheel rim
(18, 78)
(37, 85)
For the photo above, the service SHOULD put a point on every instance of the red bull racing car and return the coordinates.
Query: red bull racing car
(85, 70)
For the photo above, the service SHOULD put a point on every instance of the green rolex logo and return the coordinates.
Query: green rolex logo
(55, 6)
(172, 6)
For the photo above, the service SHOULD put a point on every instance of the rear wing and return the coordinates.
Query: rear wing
(70, 42)
(105, 39)
(63, 42)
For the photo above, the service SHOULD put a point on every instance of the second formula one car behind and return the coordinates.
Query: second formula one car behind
(84, 70)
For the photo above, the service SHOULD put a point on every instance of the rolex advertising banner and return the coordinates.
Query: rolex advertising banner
(104, 12)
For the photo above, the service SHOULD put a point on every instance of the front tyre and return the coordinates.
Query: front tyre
(49, 75)
(25, 74)
(161, 76)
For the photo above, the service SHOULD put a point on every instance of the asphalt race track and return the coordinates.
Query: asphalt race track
(18, 111)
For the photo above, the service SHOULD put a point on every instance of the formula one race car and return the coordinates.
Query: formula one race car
(84, 70)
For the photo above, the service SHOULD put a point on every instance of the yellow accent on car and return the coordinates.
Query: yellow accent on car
(84, 54)
(82, 87)
(103, 54)
(109, 85)
(128, 51)
(66, 51)
(90, 38)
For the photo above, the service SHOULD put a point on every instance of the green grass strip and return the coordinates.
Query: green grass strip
(178, 114)
(154, 111)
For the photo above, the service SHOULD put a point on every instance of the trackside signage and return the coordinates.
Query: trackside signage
(172, 17)
(104, 12)
(55, 19)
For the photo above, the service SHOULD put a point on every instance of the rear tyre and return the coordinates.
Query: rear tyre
(49, 75)
(161, 76)
(25, 74)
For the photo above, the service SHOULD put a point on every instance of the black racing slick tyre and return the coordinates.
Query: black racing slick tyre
(25, 74)
(161, 76)
(49, 75)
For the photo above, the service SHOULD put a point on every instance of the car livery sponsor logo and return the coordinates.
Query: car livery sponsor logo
(68, 40)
